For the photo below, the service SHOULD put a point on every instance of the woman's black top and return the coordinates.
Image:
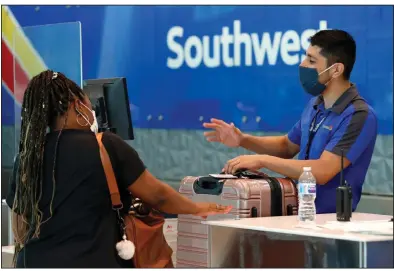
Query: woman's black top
(83, 230)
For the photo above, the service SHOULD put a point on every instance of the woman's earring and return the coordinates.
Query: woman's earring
(80, 115)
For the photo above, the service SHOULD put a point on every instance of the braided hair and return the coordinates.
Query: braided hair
(47, 96)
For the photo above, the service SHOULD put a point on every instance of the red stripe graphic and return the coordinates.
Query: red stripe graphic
(7, 69)
(17, 80)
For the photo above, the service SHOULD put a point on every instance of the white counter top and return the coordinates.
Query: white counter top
(289, 225)
(7, 255)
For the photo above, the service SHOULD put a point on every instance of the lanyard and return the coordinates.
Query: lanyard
(312, 132)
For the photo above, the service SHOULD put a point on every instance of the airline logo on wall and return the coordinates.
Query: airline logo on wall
(20, 61)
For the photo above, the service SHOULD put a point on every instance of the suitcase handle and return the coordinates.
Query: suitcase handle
(250, 174)
(208, 185)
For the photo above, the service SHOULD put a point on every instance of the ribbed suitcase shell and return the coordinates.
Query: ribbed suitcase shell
(244, 195)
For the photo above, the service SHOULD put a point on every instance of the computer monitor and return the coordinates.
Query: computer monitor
(110, 100)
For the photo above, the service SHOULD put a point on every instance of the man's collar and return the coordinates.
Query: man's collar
(346, 98)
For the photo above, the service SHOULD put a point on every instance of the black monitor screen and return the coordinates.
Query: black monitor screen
(110, 100)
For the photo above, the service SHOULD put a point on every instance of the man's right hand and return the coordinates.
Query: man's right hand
(223, 132)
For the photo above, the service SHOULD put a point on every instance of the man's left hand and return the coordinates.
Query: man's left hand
(251, 162)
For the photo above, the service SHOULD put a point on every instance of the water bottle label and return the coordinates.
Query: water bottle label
(306, 189)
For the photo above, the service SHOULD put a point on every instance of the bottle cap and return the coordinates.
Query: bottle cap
(307, 169)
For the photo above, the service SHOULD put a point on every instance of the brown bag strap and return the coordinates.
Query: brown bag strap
(109, 174)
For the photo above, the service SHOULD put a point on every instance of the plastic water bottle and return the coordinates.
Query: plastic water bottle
(306, 196)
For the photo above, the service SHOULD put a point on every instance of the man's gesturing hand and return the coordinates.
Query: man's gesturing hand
(223, 132)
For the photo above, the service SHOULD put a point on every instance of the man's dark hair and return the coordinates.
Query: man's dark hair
(337, 46)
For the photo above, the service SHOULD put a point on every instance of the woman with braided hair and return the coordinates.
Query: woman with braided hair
(60, 200)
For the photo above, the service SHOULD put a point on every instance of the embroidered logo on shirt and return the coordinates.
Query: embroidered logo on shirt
(327, 127)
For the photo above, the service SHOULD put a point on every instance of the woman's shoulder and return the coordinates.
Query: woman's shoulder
(116, 143)
(113, 138)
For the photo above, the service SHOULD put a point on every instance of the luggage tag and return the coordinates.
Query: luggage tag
(223, 176)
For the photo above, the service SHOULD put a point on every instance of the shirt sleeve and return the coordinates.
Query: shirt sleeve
(354, 135)
(294, 134)
(128, 166)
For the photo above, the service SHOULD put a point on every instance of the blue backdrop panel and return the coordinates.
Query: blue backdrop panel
(179, 65)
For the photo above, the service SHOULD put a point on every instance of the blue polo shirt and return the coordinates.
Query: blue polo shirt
(349, 125)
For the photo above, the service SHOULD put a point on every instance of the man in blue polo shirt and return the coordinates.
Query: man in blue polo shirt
(337, 119)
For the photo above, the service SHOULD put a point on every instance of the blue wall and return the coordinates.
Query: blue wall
(147, 45)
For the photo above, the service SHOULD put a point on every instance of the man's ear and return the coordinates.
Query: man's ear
(338, 70)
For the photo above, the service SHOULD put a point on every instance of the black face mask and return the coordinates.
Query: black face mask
(309, 78)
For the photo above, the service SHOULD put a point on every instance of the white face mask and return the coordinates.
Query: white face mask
(94, 125)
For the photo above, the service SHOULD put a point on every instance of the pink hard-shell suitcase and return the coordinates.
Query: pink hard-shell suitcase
(252, 194)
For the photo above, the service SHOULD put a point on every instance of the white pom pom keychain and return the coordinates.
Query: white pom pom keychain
(125, 248)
